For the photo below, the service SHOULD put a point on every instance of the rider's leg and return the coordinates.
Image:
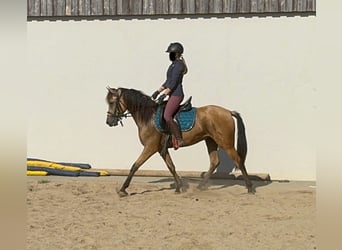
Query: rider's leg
(170, 109)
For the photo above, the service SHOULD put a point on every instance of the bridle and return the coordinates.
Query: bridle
(118, 113)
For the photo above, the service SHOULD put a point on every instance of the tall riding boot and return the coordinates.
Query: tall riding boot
(175, 131)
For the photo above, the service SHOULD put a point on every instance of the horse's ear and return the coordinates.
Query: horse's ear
(111, 90)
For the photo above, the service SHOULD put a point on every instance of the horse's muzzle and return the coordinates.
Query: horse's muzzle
(109, 124)
(111, 121)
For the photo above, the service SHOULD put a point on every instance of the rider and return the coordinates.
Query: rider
(174, 89)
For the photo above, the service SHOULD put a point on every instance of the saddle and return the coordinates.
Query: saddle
(185, 116)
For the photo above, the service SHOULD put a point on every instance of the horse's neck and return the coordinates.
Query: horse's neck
(143, 114)
(136, 117)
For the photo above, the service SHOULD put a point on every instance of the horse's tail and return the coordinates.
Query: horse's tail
(241, 137)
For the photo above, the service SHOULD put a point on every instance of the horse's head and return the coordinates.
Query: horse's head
(116, 106)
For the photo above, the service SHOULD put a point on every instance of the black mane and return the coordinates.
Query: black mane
(138, 104)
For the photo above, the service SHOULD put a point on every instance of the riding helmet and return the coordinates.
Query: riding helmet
(175, 47)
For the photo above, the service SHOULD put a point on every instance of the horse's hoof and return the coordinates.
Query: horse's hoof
(251, 190)
(122, 193)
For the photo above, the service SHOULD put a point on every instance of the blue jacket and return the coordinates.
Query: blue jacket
(174, 78)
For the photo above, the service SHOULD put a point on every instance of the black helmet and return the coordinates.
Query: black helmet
(175, 47)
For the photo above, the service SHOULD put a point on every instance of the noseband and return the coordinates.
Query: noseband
(118, 114)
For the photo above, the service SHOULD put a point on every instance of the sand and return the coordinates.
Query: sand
(87, 213)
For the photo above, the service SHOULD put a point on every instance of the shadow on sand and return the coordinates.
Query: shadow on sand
(214, 184)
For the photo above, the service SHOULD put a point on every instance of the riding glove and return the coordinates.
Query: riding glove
(161, 99)
(155, 95)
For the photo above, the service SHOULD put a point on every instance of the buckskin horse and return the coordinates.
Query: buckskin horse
(213, 124)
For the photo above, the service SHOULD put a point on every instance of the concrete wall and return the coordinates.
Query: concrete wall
(261, 67)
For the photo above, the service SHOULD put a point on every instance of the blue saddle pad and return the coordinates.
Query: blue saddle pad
(186, 119)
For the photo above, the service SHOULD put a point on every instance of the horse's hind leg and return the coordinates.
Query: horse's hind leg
(167, 158)
(214, 161)
(249, 185)
(235, 157)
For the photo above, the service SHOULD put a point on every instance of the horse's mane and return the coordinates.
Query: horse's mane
(139, 104)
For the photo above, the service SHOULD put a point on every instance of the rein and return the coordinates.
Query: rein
(118, 112)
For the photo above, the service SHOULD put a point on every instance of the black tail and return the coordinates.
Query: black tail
(241, 138)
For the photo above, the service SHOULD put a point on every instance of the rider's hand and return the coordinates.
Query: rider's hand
(155, 94)
(161, 99)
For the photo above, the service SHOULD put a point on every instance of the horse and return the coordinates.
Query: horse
(214, 124)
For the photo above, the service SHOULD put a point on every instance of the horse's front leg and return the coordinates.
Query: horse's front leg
(144, 156)
(167, 158)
